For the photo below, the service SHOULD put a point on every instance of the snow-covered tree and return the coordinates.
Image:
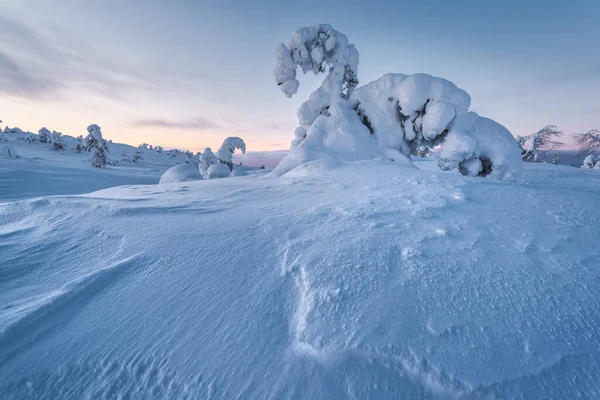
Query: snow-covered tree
(589, 142)
(556, 158)
(545, 139)
(393, 117)
(137, 156)
(158, 149)
(56, 141)
(207, 159)
(225, 153)
(44, 135)
(29, 137)
(97, 145)
(190, 158)
(80, 146)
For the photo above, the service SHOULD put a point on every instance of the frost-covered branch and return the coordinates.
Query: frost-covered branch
(589, 142)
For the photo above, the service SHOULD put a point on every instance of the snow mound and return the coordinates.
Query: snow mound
(7, 151)
(239, 172)
(181, 173)
(218, 170)
(591, 162)
(480, 146)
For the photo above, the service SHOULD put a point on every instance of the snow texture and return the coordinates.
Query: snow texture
(370, 282)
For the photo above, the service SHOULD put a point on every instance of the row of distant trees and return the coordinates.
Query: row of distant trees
(549, 138)
(93, 142)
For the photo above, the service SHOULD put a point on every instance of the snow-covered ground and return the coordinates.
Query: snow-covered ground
(368, 280)
(40, 171)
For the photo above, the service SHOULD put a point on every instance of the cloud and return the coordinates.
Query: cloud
(14, 80)
(193, 124)
(34, 65)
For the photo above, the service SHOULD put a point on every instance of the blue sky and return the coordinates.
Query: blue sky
(187, 73)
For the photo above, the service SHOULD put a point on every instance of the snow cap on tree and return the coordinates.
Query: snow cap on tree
(230, 144)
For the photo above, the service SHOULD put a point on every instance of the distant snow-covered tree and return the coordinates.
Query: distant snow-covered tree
(80, 146)
(207, 159)
(44, 135)
(56, 141)
(225, 153)
(190, 158)
(29, 137)
(534, 145)
(589, 142)
(556, 158)
(97, 145)
(137, 156)
(158, 149)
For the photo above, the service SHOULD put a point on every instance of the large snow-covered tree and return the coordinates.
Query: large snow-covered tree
(97, 145)
(394, 117)
(589, 142)
(225, 153)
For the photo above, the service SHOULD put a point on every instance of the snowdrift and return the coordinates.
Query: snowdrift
(397, 283)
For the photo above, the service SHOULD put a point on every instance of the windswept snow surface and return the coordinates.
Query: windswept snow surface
(366, 281)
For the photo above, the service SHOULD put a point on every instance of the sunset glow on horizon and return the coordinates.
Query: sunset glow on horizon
(71, 63)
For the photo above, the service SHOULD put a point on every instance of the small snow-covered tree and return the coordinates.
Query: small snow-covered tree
(97, 145)
(207, 159)
(56, 141)
(79, 147)
(44, 135)
(225, 153)
(556, 158)
(137, 156)
(589, 142)
(29, 137)
(158, 149)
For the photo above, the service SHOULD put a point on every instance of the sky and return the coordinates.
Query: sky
(188, 73)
